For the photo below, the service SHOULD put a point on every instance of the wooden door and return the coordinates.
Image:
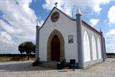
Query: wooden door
(55, 49)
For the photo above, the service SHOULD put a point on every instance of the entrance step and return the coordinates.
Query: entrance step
(49, 64)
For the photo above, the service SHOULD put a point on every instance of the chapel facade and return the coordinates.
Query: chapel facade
(63, 37)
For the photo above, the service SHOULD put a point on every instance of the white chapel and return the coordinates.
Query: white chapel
(63, 37)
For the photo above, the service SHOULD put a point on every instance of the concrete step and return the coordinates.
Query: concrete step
(49, 65)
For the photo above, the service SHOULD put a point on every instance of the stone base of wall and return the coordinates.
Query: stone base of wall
(91, 63)
(86, 65)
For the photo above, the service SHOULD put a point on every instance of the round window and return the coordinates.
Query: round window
(55, 16)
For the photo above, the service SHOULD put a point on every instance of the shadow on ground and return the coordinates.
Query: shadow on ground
(21, 66)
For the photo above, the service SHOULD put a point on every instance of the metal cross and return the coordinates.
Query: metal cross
(56, 4)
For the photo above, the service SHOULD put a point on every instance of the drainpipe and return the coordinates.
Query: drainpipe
(79, 39)
(37, 43)
(103, 46)
(105, 56)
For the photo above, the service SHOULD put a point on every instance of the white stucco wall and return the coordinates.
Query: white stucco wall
(95, 45)
(67, 27)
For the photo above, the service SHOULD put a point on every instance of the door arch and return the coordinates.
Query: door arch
(55, 35)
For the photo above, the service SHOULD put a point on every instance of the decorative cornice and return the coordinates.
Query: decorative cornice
(90, 27)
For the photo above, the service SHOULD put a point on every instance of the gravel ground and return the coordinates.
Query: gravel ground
(25, 69)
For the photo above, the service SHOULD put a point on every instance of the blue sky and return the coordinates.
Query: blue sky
(18, 19)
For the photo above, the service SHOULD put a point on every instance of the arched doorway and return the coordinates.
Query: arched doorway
(55, 46)
(55, 49)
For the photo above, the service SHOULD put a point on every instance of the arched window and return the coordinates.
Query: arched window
(99, 48)
(94, 52)
(86, 47)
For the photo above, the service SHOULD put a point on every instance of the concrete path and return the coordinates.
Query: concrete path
(25, 69)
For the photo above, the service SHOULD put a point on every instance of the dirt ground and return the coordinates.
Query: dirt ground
(25, 69)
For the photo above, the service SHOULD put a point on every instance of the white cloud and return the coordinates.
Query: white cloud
(110, 40)
(68, 5)
(95, 4)
(94, 22)
(8, 28)
(111, 32)
(18, 23)
(111, 15)
(40, 23)
(7, 45)
(7, 48)
(6, 35)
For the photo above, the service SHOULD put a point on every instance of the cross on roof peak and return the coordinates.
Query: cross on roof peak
(56, 4)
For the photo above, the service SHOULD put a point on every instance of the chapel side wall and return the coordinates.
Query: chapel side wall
(97, 41)
(66, 27)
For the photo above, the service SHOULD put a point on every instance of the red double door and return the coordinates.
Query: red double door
(55, 49)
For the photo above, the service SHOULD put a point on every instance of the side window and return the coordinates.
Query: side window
(70, 39)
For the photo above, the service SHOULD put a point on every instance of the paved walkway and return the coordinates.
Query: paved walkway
(25, 69)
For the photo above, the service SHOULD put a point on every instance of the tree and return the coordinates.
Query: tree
(27, 47)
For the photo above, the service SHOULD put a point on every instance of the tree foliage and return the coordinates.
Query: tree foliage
(27, 47)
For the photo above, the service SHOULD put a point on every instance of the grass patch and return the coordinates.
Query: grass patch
(4, 58)
(15, 57)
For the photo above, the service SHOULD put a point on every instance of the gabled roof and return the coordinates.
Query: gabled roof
(65, 14)
(83, 22)
(59, 11)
